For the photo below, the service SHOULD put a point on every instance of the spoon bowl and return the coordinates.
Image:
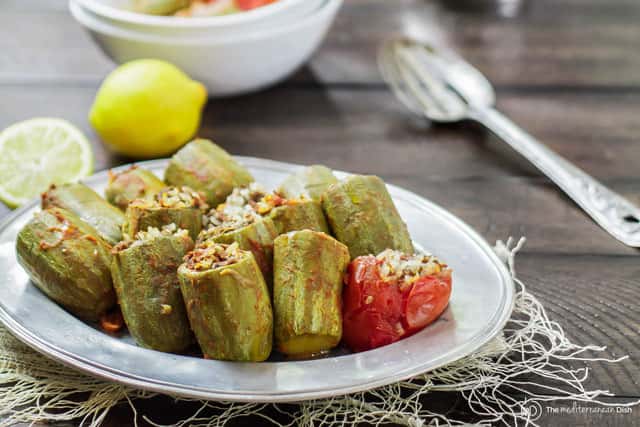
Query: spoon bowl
(433, 82)
(438, 84)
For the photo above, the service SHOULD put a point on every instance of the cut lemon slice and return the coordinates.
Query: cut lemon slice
(39, 152)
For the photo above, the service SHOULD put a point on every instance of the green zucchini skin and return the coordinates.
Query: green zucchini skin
(362, 215)
(310, 183)
(303, 215)
(307, 290)
(229, 310)
(133, 183)
(89, 206)
(67, 259)
(159, 7)
(146, 283)
(256, 238)
(205, 167)
(140, 218)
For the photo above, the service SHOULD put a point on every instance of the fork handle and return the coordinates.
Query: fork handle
(613, 212)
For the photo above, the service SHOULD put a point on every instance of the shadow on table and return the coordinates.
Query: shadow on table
(502, 8)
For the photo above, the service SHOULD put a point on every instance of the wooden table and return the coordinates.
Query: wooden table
(566, 70)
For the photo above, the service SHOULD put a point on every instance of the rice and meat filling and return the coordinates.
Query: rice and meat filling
(236, 212)
(248, 205)
(405, 269)
(210, 256)
(180, 197)
(182, 206)
(152, 233)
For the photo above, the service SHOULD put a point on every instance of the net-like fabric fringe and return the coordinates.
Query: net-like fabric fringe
(506, 382)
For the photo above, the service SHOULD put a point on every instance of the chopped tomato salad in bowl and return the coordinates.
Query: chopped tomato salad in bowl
(211, 7)
(233, 47)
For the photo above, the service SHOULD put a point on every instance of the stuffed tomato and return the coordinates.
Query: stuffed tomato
(391, 296)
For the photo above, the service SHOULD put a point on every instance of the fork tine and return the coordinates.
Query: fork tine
(424, 87)
(391, 75)
(459, 76)
(416, 80)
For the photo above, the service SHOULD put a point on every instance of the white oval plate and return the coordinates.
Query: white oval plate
(481, 303)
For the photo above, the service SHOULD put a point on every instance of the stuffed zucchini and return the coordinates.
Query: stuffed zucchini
(309, 183)
(133, 183)
(308, 269)
(205, 167)
(286, 214)
(145, 278)
(292, 214)
(67, 259)
(173, 205)
(227, 302)
(89, 206)
(362, 215)
(296, 214)
(231, 223)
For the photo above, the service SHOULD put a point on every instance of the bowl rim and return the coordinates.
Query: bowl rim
(142, 19)
(328, 9)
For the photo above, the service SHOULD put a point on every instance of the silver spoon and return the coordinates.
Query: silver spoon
(443, 87)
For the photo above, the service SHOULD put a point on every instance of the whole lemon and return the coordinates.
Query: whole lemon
(147, 108)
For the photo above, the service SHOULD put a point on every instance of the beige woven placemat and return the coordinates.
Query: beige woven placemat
(532, 350)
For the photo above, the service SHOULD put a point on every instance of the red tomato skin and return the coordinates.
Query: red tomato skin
(252, 4)
(377, 313)
(425, 301)
(371, 308)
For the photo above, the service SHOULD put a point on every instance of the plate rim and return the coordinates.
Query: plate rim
(96, 369)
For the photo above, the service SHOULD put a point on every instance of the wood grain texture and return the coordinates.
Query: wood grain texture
(554, 42)
(463, 168)
(360, 130)
(556, 414)
(595, 300)
(565, 70)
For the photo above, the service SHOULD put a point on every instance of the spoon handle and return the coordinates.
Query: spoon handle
(613, 212)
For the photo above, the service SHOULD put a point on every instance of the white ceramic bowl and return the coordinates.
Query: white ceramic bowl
(229, 65)
(274, 15)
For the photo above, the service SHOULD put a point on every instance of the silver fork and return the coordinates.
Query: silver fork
(443, 87)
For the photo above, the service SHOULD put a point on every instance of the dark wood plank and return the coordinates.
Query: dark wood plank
(593, 298)
(579, 414)
(554, 42)
(501, 208)
(557, 414)
(362, 130)
(459, 167)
